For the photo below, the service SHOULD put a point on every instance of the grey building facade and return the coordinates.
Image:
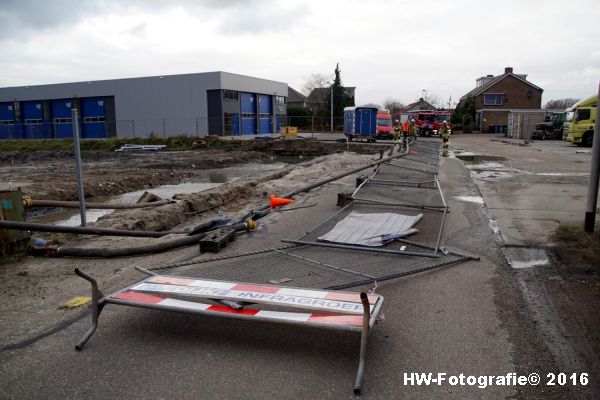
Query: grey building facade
(198, 104)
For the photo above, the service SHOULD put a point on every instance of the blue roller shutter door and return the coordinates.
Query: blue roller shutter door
(236, 124)
(248, 106)
(265, 111)
(61, 118)
(7, 121)
(94, 117)
(33, 120)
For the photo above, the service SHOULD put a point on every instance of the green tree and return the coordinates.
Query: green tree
(464, 114)
(299, 116)
(339, 97)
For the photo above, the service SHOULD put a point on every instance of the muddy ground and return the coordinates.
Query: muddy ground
(51, 175)
(42, 284)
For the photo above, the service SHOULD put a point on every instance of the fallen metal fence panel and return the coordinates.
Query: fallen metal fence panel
(354, 311)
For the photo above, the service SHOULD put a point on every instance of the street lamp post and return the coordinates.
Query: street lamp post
(331, 122)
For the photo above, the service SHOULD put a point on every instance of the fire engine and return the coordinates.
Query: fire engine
(429, 121)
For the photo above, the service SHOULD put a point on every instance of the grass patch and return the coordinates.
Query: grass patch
(577, 250)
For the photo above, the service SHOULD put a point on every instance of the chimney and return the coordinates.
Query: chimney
(508, 70)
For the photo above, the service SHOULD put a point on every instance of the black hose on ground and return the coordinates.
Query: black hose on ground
(105, 252)
(30, 226)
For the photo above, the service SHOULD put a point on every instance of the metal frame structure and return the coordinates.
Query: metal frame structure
(372, 180)
(355, 311)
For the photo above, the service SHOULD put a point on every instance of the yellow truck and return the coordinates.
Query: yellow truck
(580, 120)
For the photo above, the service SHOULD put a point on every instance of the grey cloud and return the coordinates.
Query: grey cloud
(17, 15)
(18, 18)
(266, 16)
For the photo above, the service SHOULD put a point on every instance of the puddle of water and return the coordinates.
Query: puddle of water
(528, 264)
(491, 174)
(525, 257)
(203, 180)
(563, 174)
(90, 216)
(477, 158)
(470, 199)
(489, 166)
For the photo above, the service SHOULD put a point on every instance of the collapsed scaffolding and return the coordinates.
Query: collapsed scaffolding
(407, 184)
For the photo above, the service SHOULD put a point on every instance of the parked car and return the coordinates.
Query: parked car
(551, 128)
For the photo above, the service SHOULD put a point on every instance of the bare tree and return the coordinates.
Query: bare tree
(377, 106)
(560, 104)
(316, 80)
(392, 105)
(434, 99)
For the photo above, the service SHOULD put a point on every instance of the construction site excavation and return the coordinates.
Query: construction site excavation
(216, 235)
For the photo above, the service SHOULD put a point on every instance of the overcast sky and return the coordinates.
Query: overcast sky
(384, 48)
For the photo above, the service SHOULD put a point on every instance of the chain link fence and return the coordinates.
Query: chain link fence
(167, 127)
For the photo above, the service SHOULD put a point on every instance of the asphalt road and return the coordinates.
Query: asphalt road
(466, 319)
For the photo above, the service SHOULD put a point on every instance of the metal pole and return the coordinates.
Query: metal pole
(363, 343)
(97, 306)
(312, 127)
(75, 123)
(332, 108)
(592, 196)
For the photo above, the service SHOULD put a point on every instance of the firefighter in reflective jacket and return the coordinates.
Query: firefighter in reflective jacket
(413, 129)
(397, 130)
(445, 133)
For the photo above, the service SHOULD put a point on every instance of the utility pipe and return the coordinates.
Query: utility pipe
(75, 204)
(29, 226)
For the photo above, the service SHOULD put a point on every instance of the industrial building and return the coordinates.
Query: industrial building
(199, 104)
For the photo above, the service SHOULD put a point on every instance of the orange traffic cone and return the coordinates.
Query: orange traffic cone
(278, 201)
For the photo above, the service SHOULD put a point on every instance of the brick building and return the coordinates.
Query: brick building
(497, 96)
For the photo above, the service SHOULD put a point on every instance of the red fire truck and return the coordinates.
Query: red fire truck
(429, 121)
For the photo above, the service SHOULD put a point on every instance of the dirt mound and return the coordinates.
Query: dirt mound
(243, 192)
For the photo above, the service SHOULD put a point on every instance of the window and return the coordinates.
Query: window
(33, 121)
(569, 117)
(492, 99)
(263, 115)
(230, 95)
(62, 120)
(94, 119)
(280, 99)
(582, 114)
(247, 115)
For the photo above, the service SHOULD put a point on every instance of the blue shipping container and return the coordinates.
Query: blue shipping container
(360, 122)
